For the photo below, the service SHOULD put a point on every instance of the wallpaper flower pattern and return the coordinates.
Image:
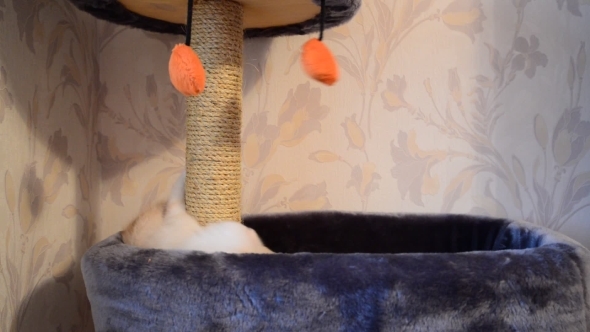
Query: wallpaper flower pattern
(460, 106)
(48, 88)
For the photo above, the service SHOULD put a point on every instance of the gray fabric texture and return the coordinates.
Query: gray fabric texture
(342, 271)
(337, 12)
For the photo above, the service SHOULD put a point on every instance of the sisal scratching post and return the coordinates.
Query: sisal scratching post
(213, 119)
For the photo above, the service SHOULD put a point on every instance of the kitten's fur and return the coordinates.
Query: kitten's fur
(169, 226)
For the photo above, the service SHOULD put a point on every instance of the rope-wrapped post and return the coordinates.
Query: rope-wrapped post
(213, 119)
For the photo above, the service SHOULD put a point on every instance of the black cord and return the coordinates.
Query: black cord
(322, 18)
(189, 22)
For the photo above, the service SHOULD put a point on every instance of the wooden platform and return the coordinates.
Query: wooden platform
(257, 13)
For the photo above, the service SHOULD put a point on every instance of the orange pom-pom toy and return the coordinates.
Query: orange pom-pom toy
(186, 71)
(319, 63)
(188, 75)
(316, 58)
(185, 68)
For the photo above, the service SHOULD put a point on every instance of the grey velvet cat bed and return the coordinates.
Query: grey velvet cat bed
(350, 272)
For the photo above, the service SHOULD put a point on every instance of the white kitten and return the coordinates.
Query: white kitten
(169, 226)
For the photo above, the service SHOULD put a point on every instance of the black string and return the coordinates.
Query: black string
(322, 18)
(189, 22)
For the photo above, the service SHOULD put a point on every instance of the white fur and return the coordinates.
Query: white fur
(177, 230)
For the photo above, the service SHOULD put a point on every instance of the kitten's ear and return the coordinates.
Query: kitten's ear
(177, 192)
(175, 205)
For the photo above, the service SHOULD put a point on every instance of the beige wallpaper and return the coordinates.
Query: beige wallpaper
(461, 106)
(48, 207)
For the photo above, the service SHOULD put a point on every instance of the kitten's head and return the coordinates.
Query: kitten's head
(169, 226)
(141, 228)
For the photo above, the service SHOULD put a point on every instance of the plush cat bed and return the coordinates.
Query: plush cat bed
(350, 272)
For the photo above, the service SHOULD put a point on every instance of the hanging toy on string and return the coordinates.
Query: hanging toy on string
(185, 68)
(188, 75)
(316, 58)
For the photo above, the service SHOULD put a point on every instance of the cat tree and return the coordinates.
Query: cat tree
(213, 119)
(333, 271)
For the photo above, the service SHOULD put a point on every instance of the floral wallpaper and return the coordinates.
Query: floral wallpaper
(49, 87)
(458, 106)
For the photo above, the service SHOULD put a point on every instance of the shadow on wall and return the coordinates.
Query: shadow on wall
(49, 306)
(49, 184)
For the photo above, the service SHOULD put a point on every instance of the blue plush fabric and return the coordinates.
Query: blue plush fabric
(351, 272)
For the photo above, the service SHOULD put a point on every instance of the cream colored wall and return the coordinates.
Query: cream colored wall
(459, 106)
(49, 86)
(444, 106)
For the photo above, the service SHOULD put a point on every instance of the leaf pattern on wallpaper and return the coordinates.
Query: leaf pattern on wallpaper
(364, 179)
(413, 167)
(62, 266)
(324, 156)
(30, 198)
(310, 197)
(572, 6)
(354, 133)
(391, 24)
(393, 95)
(56, 165)
(365, 60)
(528, 57)
(266, 190)
(28, 20)
(465, 16)
(487, 205)
(71, 53)
(259, 140)
(115, 166)
(571, 138)
(459, 185)
(157, 120)
(540, 130)
(25, 255)
(6, 99)
(300, 115)
(35, 183)
(551, 198)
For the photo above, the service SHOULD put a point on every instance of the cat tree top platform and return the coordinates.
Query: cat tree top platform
(262, 18)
